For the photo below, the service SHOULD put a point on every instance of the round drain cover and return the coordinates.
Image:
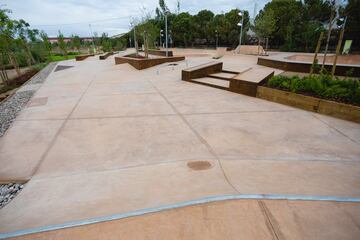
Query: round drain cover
(199, 165)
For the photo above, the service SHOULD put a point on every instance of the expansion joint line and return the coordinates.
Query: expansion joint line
(270, 221)
(62, 126)
(200, 138)
(334, 128)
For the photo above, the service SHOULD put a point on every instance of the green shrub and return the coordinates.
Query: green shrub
(323, 86)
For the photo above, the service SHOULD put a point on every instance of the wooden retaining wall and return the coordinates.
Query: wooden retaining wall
(313, 104)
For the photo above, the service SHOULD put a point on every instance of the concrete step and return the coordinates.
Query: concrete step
(223, 75)
(212, 82)
(256, 75)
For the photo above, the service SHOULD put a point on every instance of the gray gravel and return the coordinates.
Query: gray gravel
(42, 75)
(11, 106)
(8, 192)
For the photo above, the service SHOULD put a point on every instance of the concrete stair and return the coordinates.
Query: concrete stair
(211, 74)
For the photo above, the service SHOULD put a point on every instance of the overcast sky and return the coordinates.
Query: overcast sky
(110, 16)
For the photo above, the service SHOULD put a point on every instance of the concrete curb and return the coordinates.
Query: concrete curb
(179, 205)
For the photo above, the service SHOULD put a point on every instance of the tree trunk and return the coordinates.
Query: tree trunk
(30, 59)
(3, 72)
(14, 63)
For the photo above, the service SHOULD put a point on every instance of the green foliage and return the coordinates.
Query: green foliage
(323, 86)
(76, 42)
(315, 66)
(62, 44)
(265, 24)
(60, 57)
(297, 24)
(352, 30)
(152, 30)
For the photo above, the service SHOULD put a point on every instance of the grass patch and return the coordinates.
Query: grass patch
(59, 57)
(321, 86)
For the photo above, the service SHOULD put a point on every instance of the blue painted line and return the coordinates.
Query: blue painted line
(178, 205)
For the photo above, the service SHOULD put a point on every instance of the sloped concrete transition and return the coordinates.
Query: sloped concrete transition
(111, 151)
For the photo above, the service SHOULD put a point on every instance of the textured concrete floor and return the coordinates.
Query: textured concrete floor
(101, 139)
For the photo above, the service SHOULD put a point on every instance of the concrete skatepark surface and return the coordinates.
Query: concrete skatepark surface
(99, 139)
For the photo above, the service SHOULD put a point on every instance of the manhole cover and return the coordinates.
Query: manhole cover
(199, 165)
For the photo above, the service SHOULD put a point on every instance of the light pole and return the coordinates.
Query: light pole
(135, 42)
(166, 32)
(92, 36)
(217, 36)
(240, 24)
(161, 35)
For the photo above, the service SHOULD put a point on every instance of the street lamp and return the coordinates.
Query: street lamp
(166, 32)
(240, 24)
(132, 24)
(161, 35)
(217, 36)
(92, 36)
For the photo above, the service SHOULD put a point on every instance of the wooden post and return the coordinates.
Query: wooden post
(317, 51)
(329, 33)
(337, 51)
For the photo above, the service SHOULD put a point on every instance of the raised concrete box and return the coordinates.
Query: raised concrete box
(83, 57)
(247, 82)
(297, 66)
(313, 104)
(143, 63)
(105, 55)
(160, 53)
(202, 70)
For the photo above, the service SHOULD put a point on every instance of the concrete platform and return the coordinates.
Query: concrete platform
(110, 140)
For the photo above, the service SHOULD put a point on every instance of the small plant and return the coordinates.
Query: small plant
(323, 86)
(350, 72)
(315, 66)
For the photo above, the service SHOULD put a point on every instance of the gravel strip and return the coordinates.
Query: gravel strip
(11, 106)
(8, 192)
(41, 76)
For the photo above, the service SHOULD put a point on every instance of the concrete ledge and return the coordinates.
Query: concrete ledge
(313, 104)
(200, 71)
(243, 87)
(247, 87)
(105, 55)
(305, 67)
(160, 53)
(83, 57)
(143, 63)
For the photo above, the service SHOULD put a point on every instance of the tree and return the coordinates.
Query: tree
(25, 34)
(352, 28)
(76, 42)
(46, 44)
(62, 44)
(7, 39)
(202, 25)
(182, 27)
(233, 30)
(265, 24)
(105, 43)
